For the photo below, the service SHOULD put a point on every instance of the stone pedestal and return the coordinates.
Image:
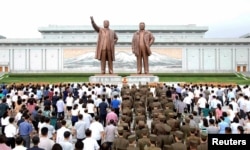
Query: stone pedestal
(141, 78)
(106, 79)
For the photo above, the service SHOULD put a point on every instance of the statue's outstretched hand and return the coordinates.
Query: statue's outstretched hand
(91, 18)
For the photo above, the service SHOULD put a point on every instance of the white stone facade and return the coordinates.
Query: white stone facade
(60, 48)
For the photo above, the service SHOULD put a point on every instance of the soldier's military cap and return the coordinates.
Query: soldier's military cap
(125, 124)
(141, 123)
(168, 129)
(155, 115)
(187, 120)
(162, 117)
(192, 129)
(203, 136)
(178, 134)
(131, 138)
(156, 98)
(153, 137)
(144, 131)
(137, 97)
(120, 129)
(172, 114)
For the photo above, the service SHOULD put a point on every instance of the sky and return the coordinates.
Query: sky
(224, 18)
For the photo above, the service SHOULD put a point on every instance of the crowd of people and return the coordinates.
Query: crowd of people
(85, 116)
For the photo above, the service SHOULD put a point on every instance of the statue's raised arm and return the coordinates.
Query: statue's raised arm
(96, 28)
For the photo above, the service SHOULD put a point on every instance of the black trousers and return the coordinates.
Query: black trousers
(117, 111)
(10, 142)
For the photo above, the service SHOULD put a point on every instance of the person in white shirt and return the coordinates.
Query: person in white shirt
(75, 112)
(91, 107)
(230, 112)
(201, 103)
(246, 104)
(97, 130)
(97, 102)
(10, 133)
(234, 125)
(60, 132)
(60, 108)
(19, 144)
(9, 101)
(69, 103)
(87, 118)
(187, 100)
(45, 142)
(213, 104)
(5, 120)
(235, 105)
(90, 143)
(66, 144)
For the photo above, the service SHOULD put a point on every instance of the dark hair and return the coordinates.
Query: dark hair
(230, 106)
(241, 129)
(79, 145)
(44, 131)
(228, 130)
(105, 146)
(88, 132)
(5, 114)
(35, 140)
(47, 120)
(57, 146)
(19, 140)
(111, 121)
(207, 105)
(26, 117)
(2, 139)
(219, 106)
(66, 134)
(211, 121)
(19, 101)
(11, 120)
(96, 118)
(75, 106)
(224, 114)
(63, 122)
(236, 120)
(205, 122)
(80, 116)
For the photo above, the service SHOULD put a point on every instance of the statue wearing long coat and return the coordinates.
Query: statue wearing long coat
(101, 37)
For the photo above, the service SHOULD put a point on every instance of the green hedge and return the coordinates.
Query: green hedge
(120, 74)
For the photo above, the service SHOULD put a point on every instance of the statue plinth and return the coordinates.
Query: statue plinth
(106, 79)
(142, 78)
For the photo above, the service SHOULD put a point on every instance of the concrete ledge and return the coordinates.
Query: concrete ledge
(106, 79)
(143, 79)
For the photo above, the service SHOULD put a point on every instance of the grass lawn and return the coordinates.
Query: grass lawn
(164, 77)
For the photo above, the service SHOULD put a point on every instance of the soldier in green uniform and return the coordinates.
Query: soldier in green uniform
(144, 141)
(203, 142)
(186, 128)
(139, 129)
(120, 143)
(192, 137)
(153, 139)
(178, 145)
(132, 143)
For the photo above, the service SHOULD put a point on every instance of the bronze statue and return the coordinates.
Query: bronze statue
(105, 50)
(142, 40)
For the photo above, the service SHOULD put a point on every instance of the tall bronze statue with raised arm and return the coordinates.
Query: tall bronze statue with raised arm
(105, 49)
(142, 40)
